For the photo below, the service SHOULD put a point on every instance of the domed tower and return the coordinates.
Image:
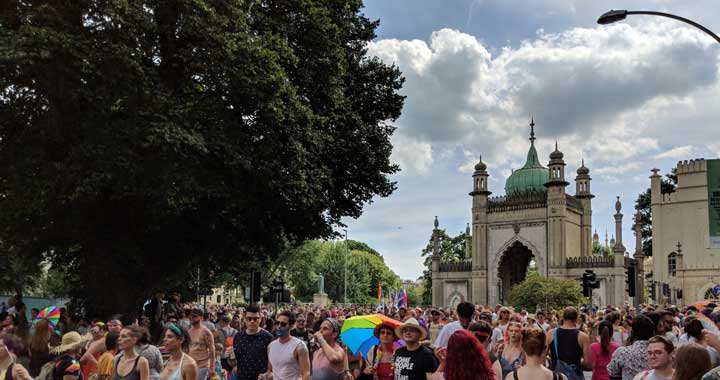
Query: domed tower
(582, 192)
(532, 176)
(557, 210)
(479, 196)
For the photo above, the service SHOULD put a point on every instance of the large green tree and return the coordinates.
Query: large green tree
(548, 293)
(452, 250)
(141, 140)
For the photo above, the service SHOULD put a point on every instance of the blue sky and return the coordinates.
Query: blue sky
(626, 97)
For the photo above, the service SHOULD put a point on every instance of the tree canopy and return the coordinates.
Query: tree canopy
(141, 140)
(547, 293)
(643, 204)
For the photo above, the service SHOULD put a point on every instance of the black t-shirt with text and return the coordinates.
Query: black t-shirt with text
(413, 365)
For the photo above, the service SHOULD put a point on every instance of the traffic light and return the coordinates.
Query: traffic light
(653, 291)
(631, 279)
(255, 286)
(589, 282)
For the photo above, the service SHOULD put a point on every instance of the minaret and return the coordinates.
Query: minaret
(619, 248)
(556, 209)
(607, 245)
(479, 196)
(582, 192)
(640, 257)
(436, 283)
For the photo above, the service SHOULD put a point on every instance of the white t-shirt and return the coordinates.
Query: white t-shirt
(282, 358)
(497, 335)
(446, 332)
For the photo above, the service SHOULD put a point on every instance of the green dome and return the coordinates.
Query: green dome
(531, 177)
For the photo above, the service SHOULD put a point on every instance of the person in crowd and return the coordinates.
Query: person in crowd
(435, 324)
(532, 322)
(542, 320)
(97, 332)
(287, 355)
(129, 365)
(569, 347)
(39, 349)
(329, 360)
(180, 365)
(66, 368)
(207, 321)
(310, 321)
(380, 357)
(97, 348)
(10, 346)
(692, 361)
(300, 330)
(660, 360)
(535, 347)
(512, 355)
(151, 353)
(250, 346)
(668, 321)
(464, 359)
(498, 336)
(628, 361)
(105, 364)
(615, 318)
(225, 335)
(202, 344)
(465, 312)
(694, 331)
(415, 361)
(601, 351)
(482, 330)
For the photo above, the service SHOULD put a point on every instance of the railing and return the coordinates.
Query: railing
(589, 262)
(519, 201)
(462, 266)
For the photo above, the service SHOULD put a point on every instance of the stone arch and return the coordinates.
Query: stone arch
(704, 290)
(493, 273)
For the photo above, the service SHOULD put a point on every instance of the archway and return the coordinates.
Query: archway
(513, 268)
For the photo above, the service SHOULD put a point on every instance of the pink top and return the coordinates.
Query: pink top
(600, 361)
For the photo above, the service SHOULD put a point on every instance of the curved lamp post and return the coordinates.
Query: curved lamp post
(619, 15)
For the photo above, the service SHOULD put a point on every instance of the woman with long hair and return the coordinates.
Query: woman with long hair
(179, 366)
(466, 358)
(692, 361)
(380, 357)
(39, 350)
(535, 346)
(602, 350)
(129, 365)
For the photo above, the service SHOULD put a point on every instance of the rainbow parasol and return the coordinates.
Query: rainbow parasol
(708, 324)
(357, 332)
(51, 313)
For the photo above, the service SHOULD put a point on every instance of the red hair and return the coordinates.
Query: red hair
(467, 358)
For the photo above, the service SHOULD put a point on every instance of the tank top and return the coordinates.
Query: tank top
(570, 350)
(282, 358)
(134, 374)
(177, 374)
(508, 367)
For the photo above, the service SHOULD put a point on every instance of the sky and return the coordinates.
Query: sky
(625, 97)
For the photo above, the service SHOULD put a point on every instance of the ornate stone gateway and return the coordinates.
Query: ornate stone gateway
(512, 269)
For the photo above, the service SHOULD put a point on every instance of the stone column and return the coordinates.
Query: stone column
(619, 248)
(437, 296)
(640, 257)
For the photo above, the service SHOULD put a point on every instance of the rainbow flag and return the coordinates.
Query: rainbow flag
(292, 299)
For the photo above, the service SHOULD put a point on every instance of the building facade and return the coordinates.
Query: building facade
(685, 262)
(537, 222)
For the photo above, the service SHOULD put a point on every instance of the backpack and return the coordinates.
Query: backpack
(561, 367)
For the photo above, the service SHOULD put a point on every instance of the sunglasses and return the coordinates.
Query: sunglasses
(282, 324)
(252, 319)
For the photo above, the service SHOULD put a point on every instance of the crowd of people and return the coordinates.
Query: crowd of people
(175, 341)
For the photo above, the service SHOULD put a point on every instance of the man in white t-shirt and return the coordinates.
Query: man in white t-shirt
(465, 312)
(288, 356)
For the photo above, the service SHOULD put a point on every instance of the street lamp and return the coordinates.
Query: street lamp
(619, 15)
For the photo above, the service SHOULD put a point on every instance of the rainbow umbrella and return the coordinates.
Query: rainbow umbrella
(357, 332)
(708, 324)
(51, 313)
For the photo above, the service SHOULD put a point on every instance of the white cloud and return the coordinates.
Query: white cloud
(411, 154)
(679, 152)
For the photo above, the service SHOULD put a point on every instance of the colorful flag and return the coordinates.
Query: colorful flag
(401, 298)
(292, 299)
(379, 291)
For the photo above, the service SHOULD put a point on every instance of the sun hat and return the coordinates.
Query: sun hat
(70, 341)
(411, 323)
(376, 331)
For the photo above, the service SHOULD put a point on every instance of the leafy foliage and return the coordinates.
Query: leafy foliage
(452, 250)
(143, 140)
(548, 293)
(601, 250)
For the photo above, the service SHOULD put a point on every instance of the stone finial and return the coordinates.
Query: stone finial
(618, 205)
(655, 172)
(532, 130)
(436, 223)
(467, 229)
(679, 248)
